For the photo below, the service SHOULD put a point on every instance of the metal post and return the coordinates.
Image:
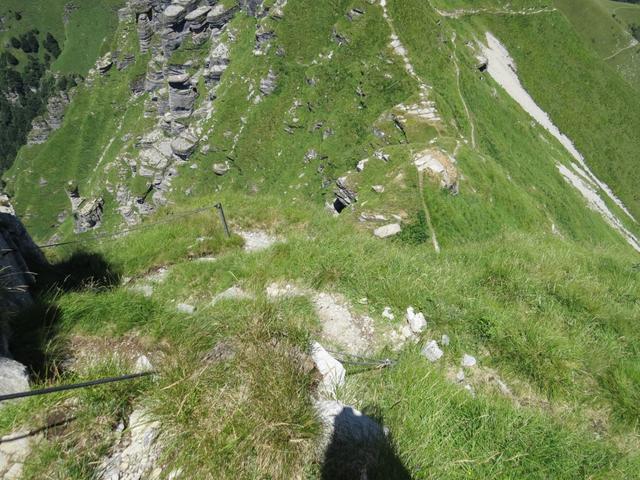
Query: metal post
(223, 219)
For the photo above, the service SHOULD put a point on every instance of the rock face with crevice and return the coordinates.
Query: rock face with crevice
(19, 258)
(137, 453)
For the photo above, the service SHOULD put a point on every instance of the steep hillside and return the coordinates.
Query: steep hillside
(45, 49)
(613, 30)
(442, 193)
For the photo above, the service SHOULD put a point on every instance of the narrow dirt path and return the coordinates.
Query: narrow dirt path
(464, 103)
(633, 43)
(464, 12)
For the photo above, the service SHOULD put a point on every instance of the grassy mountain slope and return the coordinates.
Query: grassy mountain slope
(530, 280)
(554, 326)
(607, 26)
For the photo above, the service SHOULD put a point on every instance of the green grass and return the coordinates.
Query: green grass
(554, 325)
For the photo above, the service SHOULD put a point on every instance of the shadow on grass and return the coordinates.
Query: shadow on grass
(359, 448)
(34, 339)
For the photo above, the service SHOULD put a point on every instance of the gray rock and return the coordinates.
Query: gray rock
(387, 230)
(257, 240)
(417, 322)
(143, 364)
(311, 155)
(355, 13)
(232, 293)
(42, 127)
(378, 188)
(14, 450)
(468, 361)
(137, 454)
(186, 308)
(345, 195)
(87, 213)
(104, 64)
(432, 352)
(331, 370)
(13, 376)
(269, 83)
(221, 168)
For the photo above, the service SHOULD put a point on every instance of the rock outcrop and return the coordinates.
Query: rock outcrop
(87, 213)
(42, 126)
(19, 258)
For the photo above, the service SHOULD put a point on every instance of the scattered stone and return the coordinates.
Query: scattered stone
(378, 188)
(256, 240)
(146, 290)
(380, 155)
(143, 364)
(470, 389)
(432, 352)
(42, 126)
(339, 38)
(355, 13)
(233, 293)
(386, 313)
(372, 217)
(417, 322)
(387, 230)
(468, 361)
(269, 83)
(445, 340)
(221, 168)
(275, 291)
(331, 370)
(361, 164)
(219, 15)
(311, 155)
(186, 308)
(198, 16)
(158, 276)
(460, 376)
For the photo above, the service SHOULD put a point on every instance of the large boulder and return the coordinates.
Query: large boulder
(440, 166)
